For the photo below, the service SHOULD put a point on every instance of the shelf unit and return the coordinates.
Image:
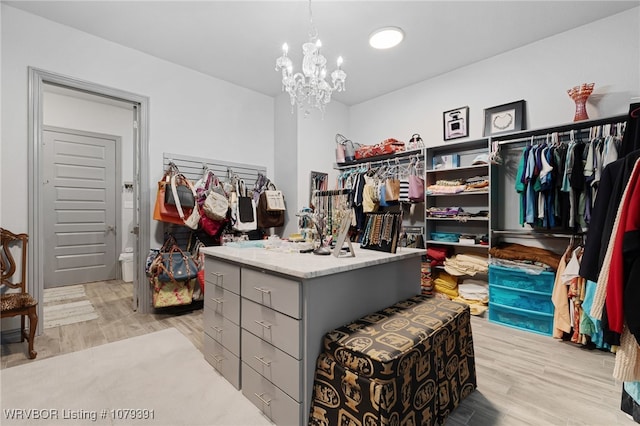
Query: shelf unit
(470, 202)
(517, 299)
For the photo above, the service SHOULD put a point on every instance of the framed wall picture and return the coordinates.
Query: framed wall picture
(455, 123)
(504, 118)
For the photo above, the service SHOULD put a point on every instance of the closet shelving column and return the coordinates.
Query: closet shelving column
(470, 202)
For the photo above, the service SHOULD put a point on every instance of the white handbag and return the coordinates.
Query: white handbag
(216, 205)
(249, 215)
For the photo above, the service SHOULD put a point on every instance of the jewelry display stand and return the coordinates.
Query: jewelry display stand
(382, 232)
(342, 237)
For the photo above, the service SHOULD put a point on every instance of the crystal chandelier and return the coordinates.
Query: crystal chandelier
(308, 88)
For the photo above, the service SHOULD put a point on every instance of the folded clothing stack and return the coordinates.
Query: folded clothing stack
(514, 251)
(474, 293)
(446, 284)
(443, 211)
(447, 187)
(477, 183)
(437, 255)
(474, 290)
(466, 264)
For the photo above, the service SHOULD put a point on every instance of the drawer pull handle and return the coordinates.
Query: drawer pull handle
(262, 290)
(217, 329)
(264, 401)
(218, 300)
(218, 276)
(263, 324)
(219, 358)
(262, 361)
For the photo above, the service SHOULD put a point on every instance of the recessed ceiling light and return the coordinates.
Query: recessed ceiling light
(385, 38)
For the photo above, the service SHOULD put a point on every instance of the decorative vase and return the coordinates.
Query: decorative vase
(580, 94)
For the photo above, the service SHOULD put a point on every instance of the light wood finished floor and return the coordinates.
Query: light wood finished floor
(523, 378)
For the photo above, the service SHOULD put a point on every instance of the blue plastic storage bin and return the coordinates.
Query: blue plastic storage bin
(522, 299)
(448, 237)
(510, 277)
(518, 318)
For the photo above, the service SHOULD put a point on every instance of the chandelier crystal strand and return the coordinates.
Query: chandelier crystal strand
(309, 88)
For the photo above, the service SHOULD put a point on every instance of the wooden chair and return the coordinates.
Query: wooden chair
(12, 302)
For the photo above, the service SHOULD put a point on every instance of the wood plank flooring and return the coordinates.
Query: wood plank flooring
(112, 300)
(523, 378)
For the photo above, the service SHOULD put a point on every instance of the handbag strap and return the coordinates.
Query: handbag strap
(241, 188)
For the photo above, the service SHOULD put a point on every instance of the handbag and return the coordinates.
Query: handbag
(172, 293)
(176, 265)
(416, 185)
(182, 192)
(268, 218)
(165, 212)
(243, 210)
(392, 190)
(415, 142)
(216, 206)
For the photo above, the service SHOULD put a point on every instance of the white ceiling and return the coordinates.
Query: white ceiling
(239, 41)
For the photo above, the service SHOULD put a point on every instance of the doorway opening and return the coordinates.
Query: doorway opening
(39, 80)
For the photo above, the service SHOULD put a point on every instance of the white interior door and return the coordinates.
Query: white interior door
(80, 203)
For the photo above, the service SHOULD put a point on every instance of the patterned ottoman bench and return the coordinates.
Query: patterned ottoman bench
(409, 364)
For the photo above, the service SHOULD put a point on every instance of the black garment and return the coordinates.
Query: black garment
(577, 168)
(613, 181)
(563, 211)
(596, 236)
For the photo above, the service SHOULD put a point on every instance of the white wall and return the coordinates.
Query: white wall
(190, 113)
(305, 144)
(317, 140)
(117, 120)
(606, 52)
(286, 166)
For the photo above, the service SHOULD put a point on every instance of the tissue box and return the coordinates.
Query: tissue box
(446, 161)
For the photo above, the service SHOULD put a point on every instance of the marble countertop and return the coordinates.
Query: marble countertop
(307, 265)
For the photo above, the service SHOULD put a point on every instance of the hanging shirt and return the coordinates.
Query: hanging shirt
(560, 299)
(520, 184)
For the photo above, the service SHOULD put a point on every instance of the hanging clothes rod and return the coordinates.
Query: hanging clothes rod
(533, 234)
(563, 129)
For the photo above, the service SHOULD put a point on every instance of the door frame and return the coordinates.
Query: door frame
(37, 78)
(117, 140)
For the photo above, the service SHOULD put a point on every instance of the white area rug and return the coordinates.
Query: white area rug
(69, 292)
(162, 373)
(77, 308)
(68, 313)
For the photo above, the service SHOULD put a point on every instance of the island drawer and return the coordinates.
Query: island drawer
(223, 274)
(278, 293)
